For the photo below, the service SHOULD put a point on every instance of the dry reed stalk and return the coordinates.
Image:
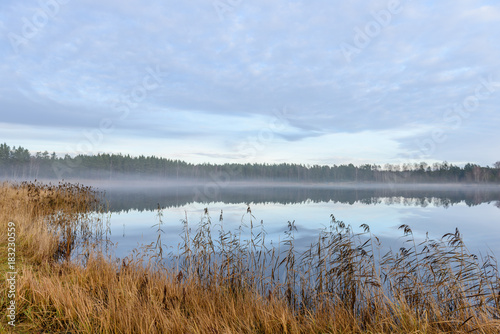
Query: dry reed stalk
(234, 282)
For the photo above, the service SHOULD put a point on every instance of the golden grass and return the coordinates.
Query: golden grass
(223, 284)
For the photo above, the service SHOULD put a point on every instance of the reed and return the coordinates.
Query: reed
(221, 281)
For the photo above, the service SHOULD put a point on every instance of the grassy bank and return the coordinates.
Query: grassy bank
(230, 281)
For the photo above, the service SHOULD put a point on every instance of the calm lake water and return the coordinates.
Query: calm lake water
(436, 209)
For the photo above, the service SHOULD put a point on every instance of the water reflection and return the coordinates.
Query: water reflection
(144, 199)
(433, 209)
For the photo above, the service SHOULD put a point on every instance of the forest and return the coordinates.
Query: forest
(20, 163)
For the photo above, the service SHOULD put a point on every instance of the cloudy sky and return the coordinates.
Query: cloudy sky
(313, 82)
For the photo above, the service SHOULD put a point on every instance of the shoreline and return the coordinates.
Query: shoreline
(217, 287)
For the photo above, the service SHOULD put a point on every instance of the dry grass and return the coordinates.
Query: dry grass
(230, 282)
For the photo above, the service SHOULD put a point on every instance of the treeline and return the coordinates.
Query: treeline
(20, 163)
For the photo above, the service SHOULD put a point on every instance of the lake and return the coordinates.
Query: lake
(429, 210)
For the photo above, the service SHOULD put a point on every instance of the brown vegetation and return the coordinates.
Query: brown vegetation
(232, 284)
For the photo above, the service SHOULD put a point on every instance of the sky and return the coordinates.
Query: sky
(310, 82)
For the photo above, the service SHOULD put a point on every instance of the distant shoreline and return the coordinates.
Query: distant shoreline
(259, 183)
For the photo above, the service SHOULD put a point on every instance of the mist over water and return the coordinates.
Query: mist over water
(145, 194)
(431, 210)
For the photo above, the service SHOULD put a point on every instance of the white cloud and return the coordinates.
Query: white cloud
(226, 77)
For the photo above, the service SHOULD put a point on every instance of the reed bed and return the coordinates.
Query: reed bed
(233, 281)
